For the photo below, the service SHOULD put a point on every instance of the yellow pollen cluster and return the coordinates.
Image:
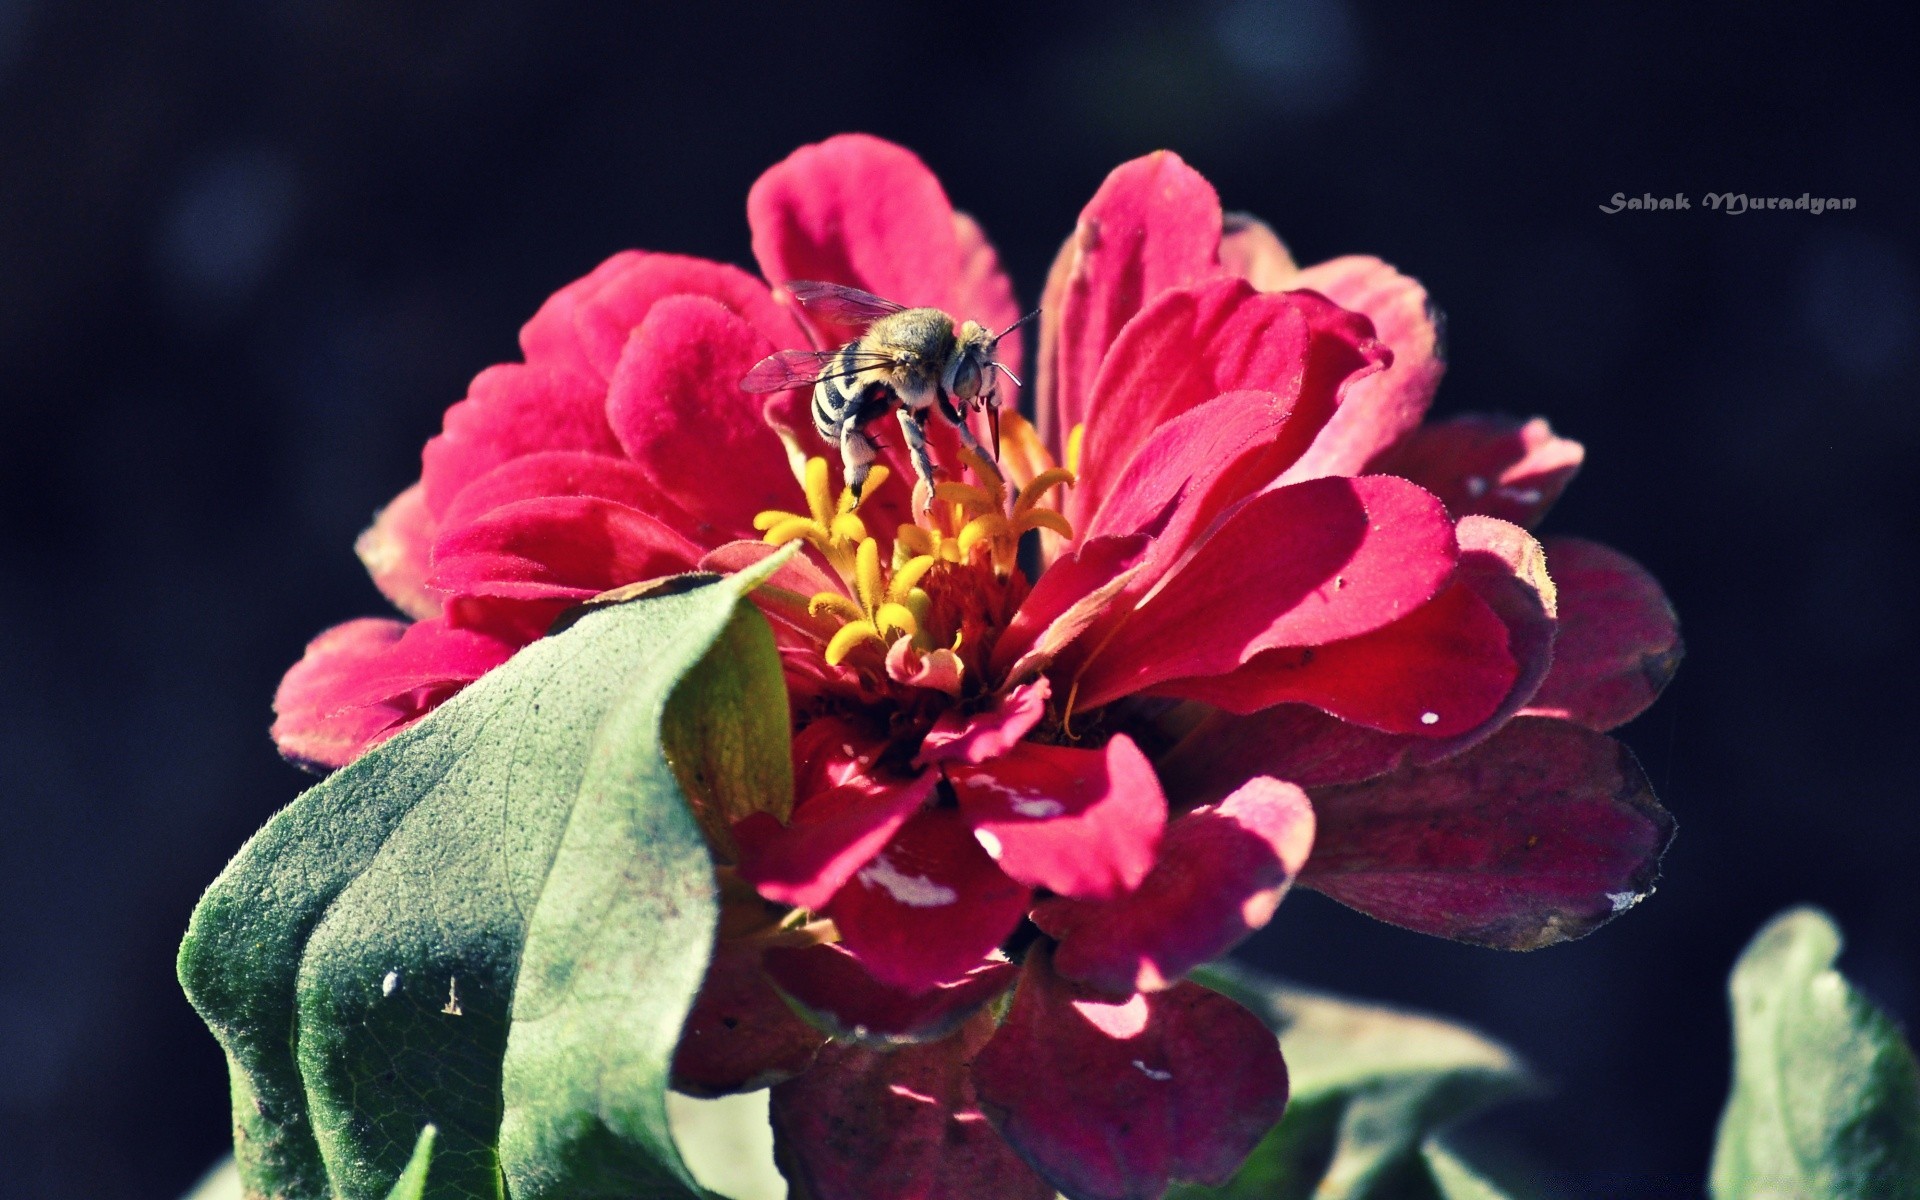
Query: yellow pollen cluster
(960, 523)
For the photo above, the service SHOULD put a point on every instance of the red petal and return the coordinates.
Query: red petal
(1153, 225)
(833, 834)
(395, 550)
(557, 547)
(362, 682)
(1222, 871)
(1250, 250)
(860, 211)
(550, 338)
(896, 1125)
(929, 907)
(1082, 823)
(1298, 566)
(676, 405)
(1114, 1100)
(1542, 833)
(606, 315)
(1490, 465)
(1619, 638)
(740, 1036)
(1192, 344)
(975, 738)
(509, 411)
(1378, 409)
(839, 992)
(1072, 595)
(551, 473)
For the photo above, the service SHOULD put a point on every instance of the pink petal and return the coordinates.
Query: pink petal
(551, 473)
(676, 405)
(1438, 671)
(839, 993)
(557, 547)
(550, 338)
(740, 1036)
(1192, 344)
(1114, 1099)
(959, 737)
(833, 834)
(1250, 250)
(1379, 408)
(1221, 873)
(1619, 637)
(896, 1125)
(605, 316)
(362, 682)
(1541, 834)
(1082, 823)
(860, 211)
(1153, 225)
(1489, 465)
(1073, 594)
(929, 907)
(509, 411)
(1297, 566)
(395, 550)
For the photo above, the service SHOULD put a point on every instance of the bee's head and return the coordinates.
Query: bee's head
(970, 374)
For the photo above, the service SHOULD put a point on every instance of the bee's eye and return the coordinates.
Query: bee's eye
(966, 379)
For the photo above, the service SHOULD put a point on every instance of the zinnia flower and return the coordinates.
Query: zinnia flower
(1276, 629)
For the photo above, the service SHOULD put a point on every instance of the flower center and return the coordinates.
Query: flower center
(942, 580)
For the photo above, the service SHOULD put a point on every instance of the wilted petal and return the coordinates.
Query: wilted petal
(926, 909)
(1192, 344)
(1153, 225)
(1540, 834)
(1494, 466)
(1619, 638)
(1080, 823)
(896, 1125)
(676, 405)
(396, 549)
(832, 985)
(509, 411)
(1114, 1099)
(360, 683)
(1221, 872)
(1377, 409)
(833, 834)
(975, 738)
(741, 1036)
(1297, 566)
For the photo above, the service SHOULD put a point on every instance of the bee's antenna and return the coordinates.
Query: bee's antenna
(1017, 324)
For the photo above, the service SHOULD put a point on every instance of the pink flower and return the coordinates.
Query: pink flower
(1282, 631)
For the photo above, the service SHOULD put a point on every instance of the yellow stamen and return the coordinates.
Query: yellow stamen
(1043, 518)
(850, 637)
(819, 499)
(848, 528)
(906, 578)
(1076, 437)
(866, 575)
(1039, 486)
(964, 494)
(834, 604)
(982, 527)
(895, 619)
(789, 529)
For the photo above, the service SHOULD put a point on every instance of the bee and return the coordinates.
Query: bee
(908, 361)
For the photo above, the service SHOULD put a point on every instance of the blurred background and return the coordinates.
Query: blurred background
(251, 249)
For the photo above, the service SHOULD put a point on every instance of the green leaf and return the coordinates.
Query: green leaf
(221, 1183)
(1826, 1095)
(496, 922)
(1453, 1178)
(412, 1184)
(1368, 1086)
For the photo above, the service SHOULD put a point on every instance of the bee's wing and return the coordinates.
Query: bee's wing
(845, 305)
(804, 368)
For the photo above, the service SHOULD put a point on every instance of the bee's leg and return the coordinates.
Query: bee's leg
(857, 453)
(913, 423)
(958, 416)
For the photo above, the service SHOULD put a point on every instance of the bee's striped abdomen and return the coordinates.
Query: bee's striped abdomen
(846, 390)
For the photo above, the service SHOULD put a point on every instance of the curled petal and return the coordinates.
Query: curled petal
(740, 1036)
(833, 834)
(1540, 834)
(852, 1005)
(1153, 225)
(1112, 1099)
(1222, 871)
(1493, 466)
(362, 682)
(978, 737)
(1297, 566)
(509, 411)
(1379, 408)
(929, 907)
(396, 550)
(605, 315)
(1619, 639)
(903, 1124)
(1080, 823)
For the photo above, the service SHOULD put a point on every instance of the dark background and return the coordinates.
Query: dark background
(249, 251)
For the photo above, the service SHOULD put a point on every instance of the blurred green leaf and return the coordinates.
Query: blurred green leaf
(1826, 1095)
(1453, 1179)
(221, 1183)
(412, 1184)
(1368, 1086)
(496, 922)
